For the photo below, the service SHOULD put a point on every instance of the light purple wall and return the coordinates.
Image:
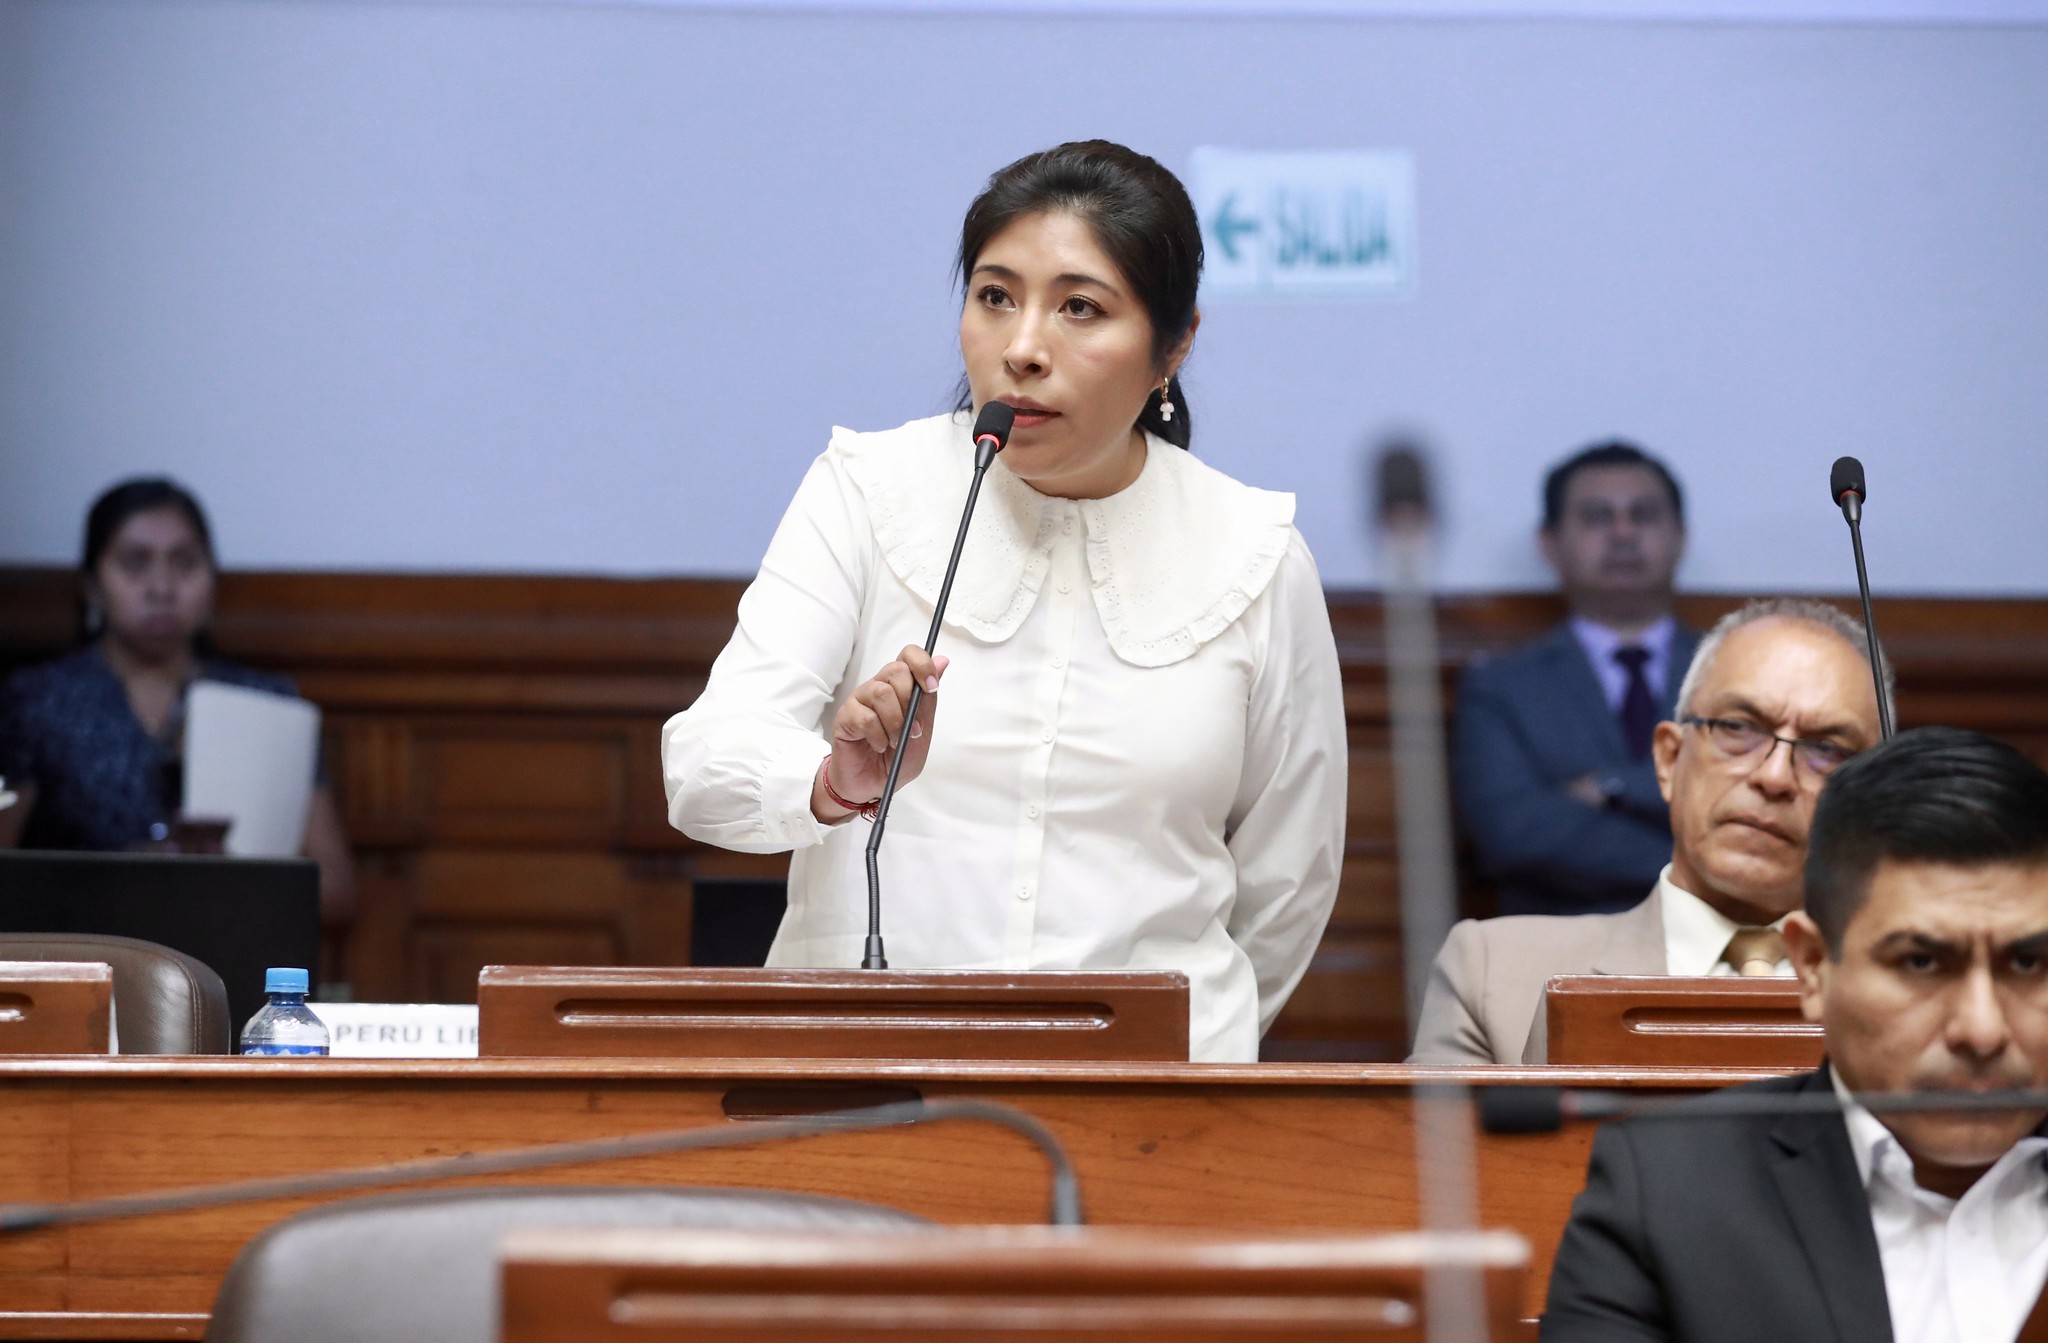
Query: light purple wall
(547, 287)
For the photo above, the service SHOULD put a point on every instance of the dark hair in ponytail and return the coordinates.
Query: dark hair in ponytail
(1141, 217)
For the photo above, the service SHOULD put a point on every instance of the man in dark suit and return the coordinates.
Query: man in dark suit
(1552, 742)
(1923, 952)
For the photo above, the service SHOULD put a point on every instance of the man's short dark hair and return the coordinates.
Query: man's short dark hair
(1933, 795)
(1612, 452)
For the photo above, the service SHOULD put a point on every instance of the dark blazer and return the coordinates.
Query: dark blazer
(1528, 722)
(1721, 1231)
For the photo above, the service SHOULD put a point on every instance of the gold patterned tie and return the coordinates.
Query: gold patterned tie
(1755, 951)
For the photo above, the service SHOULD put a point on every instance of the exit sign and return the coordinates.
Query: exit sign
(1337, 224)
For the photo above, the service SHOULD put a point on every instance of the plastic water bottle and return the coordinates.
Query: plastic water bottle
(285, 1025)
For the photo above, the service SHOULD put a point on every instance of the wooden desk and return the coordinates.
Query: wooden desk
(1308, 1147)
(56, 1007)
(539, 1011)
(1016, 1284)
(1664, 1021)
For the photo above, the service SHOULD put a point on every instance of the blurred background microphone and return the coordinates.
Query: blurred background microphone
(1405, 525)
(1445, 1160)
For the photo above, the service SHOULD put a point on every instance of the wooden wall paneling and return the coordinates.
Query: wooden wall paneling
(380, 944)
(473, 719)
(375, 773)
(655, 919)
(501, 782)
(1370, 802)
(477, 907)
(445, 961)
(645, 816)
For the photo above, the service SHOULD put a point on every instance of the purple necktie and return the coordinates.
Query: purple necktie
(1638, 705)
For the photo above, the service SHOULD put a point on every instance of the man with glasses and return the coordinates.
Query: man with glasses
(1923, 954)
(1779, 694)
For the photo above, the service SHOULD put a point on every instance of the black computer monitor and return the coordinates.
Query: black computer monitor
(238, 915)
(733, 920)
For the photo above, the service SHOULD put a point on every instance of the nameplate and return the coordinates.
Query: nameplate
(399, 1030)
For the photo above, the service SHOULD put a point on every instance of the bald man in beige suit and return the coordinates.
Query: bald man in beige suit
(1779, 694)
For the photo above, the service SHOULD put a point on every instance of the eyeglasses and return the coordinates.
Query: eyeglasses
(1738, 739)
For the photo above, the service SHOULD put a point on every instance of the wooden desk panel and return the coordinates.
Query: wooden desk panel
(1279, 1148)
(1664, 1021)
(56, 1007)
(614, 1012)
(1029, 1284)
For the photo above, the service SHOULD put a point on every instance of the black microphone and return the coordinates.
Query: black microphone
(1402, 486)
(1066, 1190)
(991, 432)
(1508, 1109)
(1845, 487)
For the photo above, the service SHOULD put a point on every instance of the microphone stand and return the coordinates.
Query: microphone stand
(990, 433)
(1541, 1109)
(1849, 495)
(1065, 1209)
(1884, 704)
(1446, 1161)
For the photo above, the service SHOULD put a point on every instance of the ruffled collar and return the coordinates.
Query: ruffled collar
(1173, 559)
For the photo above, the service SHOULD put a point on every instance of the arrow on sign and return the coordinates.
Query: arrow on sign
(1228, 226)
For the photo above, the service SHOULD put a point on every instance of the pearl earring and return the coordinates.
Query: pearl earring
(1166, 399)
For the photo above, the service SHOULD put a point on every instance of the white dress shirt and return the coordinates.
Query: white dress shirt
(1138, 758)
(1696, 934)
(1962, 1270)
(1601, 644)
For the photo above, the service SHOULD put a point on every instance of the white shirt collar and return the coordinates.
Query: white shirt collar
(1880, 1154)
(1600, 643)
(1159, 598)
(1955, 1270)
(1695, 933)
(1868, 1137)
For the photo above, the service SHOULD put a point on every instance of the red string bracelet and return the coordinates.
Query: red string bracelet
(867, 809)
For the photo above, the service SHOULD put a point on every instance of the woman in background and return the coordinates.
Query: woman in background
(93, 742)
(1140, 762)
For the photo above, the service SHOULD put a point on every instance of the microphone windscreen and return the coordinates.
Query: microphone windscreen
(996, 420)
(1846, 478)
(1402, 485)
(1507, 1109)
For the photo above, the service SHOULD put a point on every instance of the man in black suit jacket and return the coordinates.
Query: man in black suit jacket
(1923, 952)
(1552, 740)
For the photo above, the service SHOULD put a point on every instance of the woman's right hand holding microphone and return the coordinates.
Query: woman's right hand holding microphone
(865, 732)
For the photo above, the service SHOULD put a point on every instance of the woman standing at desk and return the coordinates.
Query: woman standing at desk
(93, 741)
(1140, 762)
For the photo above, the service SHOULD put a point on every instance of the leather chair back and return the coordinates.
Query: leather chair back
(165, 1002)
(424, 1267)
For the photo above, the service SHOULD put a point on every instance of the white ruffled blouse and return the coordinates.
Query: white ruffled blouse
(1138, 758)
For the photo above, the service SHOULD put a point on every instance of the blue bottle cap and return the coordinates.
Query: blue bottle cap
(282, 979)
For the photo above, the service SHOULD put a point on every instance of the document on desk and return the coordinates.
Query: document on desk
(249, 756)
